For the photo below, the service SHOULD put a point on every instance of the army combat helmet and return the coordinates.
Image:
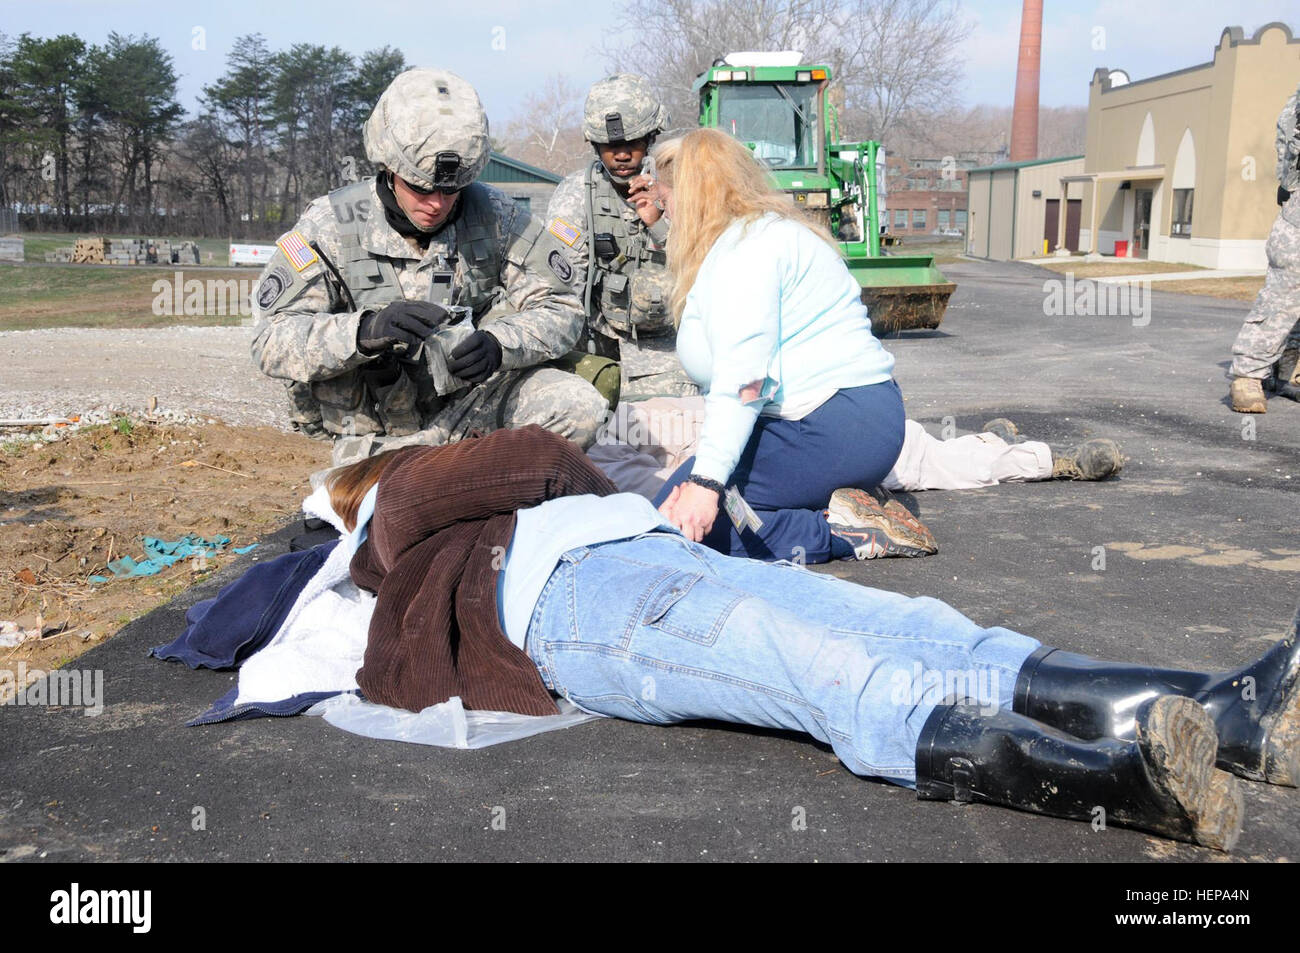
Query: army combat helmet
(622, 108)
(430, 129)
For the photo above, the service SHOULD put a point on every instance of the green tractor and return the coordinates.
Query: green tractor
(779, 109)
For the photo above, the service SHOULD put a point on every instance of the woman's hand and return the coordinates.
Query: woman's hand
(692, 509)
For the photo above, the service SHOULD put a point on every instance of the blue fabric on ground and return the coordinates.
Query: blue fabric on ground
(161, 553)
(246, 614)
(225, 709)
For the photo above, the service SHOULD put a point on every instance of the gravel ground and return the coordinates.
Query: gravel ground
(198, 371)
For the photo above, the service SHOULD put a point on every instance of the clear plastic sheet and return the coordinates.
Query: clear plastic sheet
(447, 725)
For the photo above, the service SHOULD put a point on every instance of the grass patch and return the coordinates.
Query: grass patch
(94, 296)
(1235, 289)
(1122, 266)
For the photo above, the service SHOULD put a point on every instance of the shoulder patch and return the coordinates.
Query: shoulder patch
(272, 286)
(560, 265)
(564, 231)
(297, 251)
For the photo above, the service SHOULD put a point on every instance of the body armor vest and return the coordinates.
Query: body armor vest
(632, 288)
(385, 397)
(372, 281)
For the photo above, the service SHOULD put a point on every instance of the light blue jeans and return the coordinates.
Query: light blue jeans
(659, 629)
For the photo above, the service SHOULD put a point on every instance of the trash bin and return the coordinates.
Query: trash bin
(1121, 249)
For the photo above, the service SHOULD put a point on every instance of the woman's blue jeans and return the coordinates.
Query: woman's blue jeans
(659, 629)
(789, 469)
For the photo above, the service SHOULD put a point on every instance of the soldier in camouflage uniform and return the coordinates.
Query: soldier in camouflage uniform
(417, 305)
(616, 237)
(1263, 338)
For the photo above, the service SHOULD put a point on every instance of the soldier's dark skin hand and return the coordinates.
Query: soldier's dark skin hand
(643, 193)
(476, 358)
(401, 327)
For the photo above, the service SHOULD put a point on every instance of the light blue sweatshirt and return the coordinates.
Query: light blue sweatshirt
(774, 303)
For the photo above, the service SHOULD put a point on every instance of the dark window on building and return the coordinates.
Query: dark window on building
(1181, 226)
(900, 218)
(961, 218)
(918, 218)
(943, 218)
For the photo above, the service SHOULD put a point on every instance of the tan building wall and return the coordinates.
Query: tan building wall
(1006, 218)
(1209, 128)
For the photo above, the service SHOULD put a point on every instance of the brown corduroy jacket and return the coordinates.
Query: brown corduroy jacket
(444, 517)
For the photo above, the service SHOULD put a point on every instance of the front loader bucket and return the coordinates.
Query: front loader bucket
(902, 292)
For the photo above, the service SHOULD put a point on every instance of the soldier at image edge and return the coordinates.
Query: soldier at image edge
(1263, 339)
(616, 238)
(418, 305)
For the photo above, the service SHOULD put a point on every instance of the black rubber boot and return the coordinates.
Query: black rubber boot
(1163, 782)
(1256, 709)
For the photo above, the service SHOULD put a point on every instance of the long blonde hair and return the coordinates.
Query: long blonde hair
(715, 181)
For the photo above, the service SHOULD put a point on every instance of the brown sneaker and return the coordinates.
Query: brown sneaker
(1248, 396)
(875, 530)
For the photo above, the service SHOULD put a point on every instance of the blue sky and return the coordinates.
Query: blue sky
(540, 38)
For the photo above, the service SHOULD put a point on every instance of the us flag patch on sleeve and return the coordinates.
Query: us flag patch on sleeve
(564, 231)
(297, 250)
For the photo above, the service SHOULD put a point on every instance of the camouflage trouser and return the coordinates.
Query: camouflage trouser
(554, 399)
(1277, 308)
(651, 369)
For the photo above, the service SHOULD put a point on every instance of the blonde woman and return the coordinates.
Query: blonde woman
(802, 414)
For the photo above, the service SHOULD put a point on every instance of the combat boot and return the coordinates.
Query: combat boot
(1288, 373)
(1004, 428)
(1255, 709)
(1248, 396)
(1164, 781)
(1091, 460)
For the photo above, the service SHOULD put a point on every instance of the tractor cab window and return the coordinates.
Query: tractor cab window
(781, 120)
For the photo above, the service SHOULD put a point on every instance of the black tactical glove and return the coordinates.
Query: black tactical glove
(400, 327)
(476, 359)
(1283, 196)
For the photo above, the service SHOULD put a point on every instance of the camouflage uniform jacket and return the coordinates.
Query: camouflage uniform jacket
(627, 295)
(307, 309)
(1287, 144)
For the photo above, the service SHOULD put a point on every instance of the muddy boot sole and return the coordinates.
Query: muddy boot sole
(1179, 745)
(1282, 728)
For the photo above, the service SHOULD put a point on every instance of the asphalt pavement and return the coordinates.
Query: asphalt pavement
(1190, 558)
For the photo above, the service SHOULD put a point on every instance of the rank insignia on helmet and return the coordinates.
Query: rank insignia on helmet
(296, 249)
(563, 270)
(564, 231)
(272, 286)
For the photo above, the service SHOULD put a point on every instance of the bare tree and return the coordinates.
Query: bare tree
(547, 131)
(887, 57)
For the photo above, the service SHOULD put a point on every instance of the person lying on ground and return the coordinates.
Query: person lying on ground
(507, 568)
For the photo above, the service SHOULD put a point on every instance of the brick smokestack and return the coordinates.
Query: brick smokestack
(1024, 118)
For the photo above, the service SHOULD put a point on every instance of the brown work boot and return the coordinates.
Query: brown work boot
(1248, 396)
(1091, 460)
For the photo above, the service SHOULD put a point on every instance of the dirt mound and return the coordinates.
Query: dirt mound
(69, 508)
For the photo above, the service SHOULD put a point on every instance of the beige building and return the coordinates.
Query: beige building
(1015, 208)
(1181, 166)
